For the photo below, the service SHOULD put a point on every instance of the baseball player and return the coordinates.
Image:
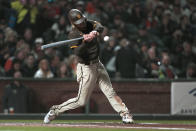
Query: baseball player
(90, 71)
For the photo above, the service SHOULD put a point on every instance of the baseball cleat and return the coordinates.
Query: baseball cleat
(127, 119)
(49, 117)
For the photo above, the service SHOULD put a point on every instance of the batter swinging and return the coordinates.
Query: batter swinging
(90, 71)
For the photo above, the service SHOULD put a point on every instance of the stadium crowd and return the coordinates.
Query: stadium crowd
(147, 38)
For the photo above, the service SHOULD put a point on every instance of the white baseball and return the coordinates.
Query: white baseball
(106, 38)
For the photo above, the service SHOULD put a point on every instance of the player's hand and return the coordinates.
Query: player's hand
(94, 33)
(89, 37)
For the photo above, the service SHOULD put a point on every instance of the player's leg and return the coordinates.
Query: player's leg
(116, 102)
(86, 80)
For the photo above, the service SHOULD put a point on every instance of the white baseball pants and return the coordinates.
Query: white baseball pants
(88, 77)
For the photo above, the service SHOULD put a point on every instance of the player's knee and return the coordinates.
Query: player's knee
(81, 102)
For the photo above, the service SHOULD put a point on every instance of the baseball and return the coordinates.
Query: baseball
(106, 38)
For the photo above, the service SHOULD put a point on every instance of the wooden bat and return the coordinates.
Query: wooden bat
(60, 43)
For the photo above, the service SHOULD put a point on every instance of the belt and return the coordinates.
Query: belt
(90, 62)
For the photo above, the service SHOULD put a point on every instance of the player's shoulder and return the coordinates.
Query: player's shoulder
(93, 22)
(97, 26)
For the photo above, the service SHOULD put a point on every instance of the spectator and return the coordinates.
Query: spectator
(38, 53)
(152, 55)
(126, 60)
(26, 49)
(3, 25)
(15, 67)
(191, 71)
(144, 36)
(20, 43)
(29, 67)
(80, 5)
(186, 56)
(166, 28)
(177, 13)
(54, 65)
(167, 69)
(90, 7)
(167, 23)
(43, 21)
(118, 23)
(158, 12)
(49, 35)
(137, 16)
(28, 36)
(44, 70)
(63, 71)
(26, 14)
(10, 39)
(61, 29)
(153, 59)
(19, 55)
(152, 4)
(2, 72)
(16, 96)
(186, 27)
(150, 21)
(143, 51)
(176, 42)
(51, 9)
(156, 72)
(50, 53)
(108, 57)
(4, 55)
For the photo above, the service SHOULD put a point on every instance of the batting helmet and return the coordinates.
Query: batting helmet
(76, 17)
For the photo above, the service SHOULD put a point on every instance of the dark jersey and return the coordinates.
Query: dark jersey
(86, 51)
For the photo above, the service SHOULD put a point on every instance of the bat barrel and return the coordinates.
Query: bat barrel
(59, 43)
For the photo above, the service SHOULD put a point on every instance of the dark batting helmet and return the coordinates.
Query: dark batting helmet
(76, 17)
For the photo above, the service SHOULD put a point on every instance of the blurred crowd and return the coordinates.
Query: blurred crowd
(147, 38)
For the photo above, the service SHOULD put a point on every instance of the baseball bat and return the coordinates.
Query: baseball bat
(60, 43)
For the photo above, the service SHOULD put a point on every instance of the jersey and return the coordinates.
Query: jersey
(86, 51)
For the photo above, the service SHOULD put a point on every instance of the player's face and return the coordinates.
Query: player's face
(82, 25)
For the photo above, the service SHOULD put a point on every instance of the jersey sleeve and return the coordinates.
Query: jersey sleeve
(98, 27)
(78, 45)
(73, 35)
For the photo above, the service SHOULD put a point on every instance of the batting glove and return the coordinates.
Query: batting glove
(89, 37)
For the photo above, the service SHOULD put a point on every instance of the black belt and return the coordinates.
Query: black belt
(90, 62)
